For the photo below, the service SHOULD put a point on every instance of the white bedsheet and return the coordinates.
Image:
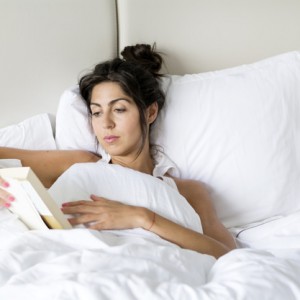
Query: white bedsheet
(278, 232)
(85, 264)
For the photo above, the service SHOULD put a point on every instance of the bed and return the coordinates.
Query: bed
(233, 84)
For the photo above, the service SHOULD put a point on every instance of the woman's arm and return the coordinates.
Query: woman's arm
(108, 214)
(199, 198)
(48, 165)
(187, 238)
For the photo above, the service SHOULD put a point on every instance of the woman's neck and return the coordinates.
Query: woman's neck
(142, 162)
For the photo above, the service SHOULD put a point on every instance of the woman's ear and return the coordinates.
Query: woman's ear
(152, 112)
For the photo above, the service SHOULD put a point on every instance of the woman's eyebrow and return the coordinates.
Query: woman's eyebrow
(111, 102)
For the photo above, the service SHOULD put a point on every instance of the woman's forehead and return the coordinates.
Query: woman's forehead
(108, 93)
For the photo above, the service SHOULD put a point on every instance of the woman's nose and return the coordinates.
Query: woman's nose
(107, 121)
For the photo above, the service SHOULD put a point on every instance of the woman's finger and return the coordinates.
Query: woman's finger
(81, 208)
(3, 182)
(96, 201)
(77, 203)
(104, 201)
(84, 219)
(97, 198)
(5, 197)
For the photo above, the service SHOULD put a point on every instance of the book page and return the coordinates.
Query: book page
(23, 206)
(33, 204)
(35, 198)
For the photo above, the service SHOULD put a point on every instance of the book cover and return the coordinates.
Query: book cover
(33, 205)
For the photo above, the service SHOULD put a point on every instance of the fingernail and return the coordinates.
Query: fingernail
(5, 184)
(11, 198)
(6, 204)
(64, 204)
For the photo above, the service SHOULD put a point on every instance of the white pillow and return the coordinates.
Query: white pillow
(34, 133)
(10, 163)
(238, 130)
(125, 185)
(73, 126)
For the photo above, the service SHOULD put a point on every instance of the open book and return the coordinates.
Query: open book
(33, 205)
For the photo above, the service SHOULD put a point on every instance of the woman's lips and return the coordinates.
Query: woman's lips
(110, 139)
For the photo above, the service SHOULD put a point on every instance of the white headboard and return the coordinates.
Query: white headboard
(45, 45)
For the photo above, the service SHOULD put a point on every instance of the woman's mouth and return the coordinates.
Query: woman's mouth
(110, 138)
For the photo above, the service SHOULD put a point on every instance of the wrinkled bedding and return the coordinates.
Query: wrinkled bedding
(87, 264)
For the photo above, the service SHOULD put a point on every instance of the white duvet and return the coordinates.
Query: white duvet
(136, 264)
(84, 264)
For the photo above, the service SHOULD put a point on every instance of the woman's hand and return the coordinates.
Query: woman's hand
(101, 213)
(5, 197)
(104, 214)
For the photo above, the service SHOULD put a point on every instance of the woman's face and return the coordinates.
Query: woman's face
(115, 120)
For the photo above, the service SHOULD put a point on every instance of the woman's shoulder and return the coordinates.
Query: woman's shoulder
(190, 188)
(187, 183)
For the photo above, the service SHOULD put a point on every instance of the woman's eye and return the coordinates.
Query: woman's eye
(96, 114)
(120, 110)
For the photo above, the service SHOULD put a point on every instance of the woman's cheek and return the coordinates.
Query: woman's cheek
(95, 128)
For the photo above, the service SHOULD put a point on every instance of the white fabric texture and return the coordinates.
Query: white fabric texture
(81, 264)
(84, 264)
(273, 233)
(34, 133)
(164, 165)
(10, 163)
(127, 186)
(238, 130)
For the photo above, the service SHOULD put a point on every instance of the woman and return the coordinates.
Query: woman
(124, 99)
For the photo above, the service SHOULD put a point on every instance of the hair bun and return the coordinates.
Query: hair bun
(144, 55)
